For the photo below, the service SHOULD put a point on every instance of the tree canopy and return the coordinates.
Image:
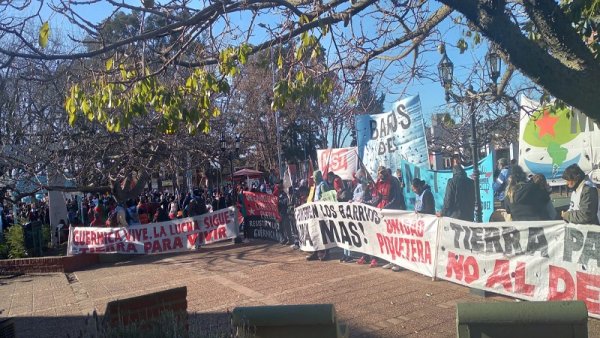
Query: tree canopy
(184, 68)
(553, 44)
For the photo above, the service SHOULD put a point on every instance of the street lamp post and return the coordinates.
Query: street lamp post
(446, 70)
(231, 154)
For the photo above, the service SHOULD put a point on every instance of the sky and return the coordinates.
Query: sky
(431, 92)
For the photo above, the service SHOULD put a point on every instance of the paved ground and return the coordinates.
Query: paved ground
(374, 302)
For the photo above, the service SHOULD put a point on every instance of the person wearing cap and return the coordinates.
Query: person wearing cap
(501, 181)
(584, 198)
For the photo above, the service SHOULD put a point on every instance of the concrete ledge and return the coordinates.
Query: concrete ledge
(47, 264)
(146, 307)
(522, 319)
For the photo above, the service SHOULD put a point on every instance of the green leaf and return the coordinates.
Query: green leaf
(280, 61)
(109, 64)
(462, 45)
(44, 34)
(477, 38)
(71, 109)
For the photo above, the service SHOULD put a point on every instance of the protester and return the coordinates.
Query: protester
(396, 203)
(131, 212)
(584, 198)
(424, 202)
(282, 206)
(501, 180)
(459, 201)
(321, 187)
(397, 195)
(161, 214)
(361, 194)
(173, 208)
(97, 217)
(524, 200)
(543, 185)
(400, 178)
(383, 195)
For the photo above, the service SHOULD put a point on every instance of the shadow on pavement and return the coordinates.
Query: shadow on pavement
(215, 324)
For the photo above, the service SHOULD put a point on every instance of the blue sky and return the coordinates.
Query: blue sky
(430, 91)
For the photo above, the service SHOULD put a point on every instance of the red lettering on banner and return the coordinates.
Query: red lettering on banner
(131, 248)
(222, 233)
(500, 275)
(462, 267)
(216, 220)
(166, 244)
(567, 291)
(147, 247)
(177, 243)
(180, 228)
(334, 160)
(521, 285)
(156, 246)
(192, 239)
(587, 290)
(138, 235)
(209, 235)
(120, 247)
(405, 227)
(410, 249)
(162, 232)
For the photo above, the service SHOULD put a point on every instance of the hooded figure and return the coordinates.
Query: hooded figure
(459, 201)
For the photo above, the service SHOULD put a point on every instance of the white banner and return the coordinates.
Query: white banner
(342, 161)
(536, 261)
(403, 238)
(386, 139)
(171, 236)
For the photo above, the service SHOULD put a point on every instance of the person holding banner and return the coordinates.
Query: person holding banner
(459, 200)
(584, 198)
(321, 187)
(424, 202)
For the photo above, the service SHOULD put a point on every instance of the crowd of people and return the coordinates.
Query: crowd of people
(523, 197)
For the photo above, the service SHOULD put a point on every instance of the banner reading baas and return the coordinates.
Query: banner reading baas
(261, 215)
(386, 139)
(438, 179)
(342, 161)
(403, 238)
(552, 138)
(171, 236)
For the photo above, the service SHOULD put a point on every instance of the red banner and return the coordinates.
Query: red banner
(261, 205)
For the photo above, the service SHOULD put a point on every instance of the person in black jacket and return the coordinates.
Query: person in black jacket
(459, 201)
(424, 202)
(524, 200)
